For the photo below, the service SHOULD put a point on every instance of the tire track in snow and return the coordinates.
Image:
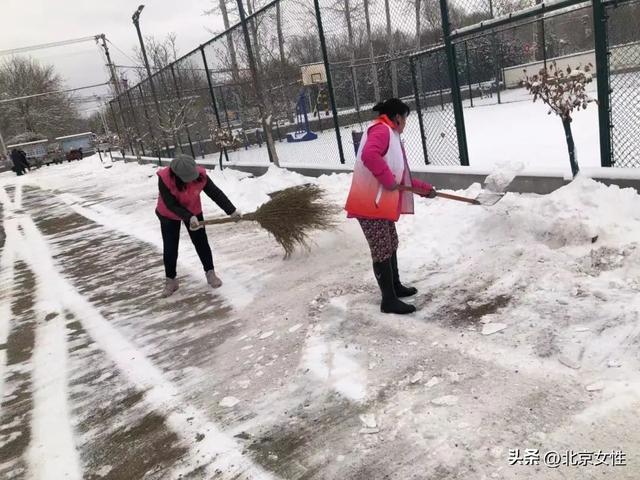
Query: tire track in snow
(117, 435)
(17, 401)
(234, 286)
(216, 451)
(6, 296)
(7, 259)
(53, 448)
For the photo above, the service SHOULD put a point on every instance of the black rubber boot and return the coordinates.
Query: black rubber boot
(390, 302)
(401, 290)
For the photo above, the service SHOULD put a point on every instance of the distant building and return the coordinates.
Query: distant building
(85, 141)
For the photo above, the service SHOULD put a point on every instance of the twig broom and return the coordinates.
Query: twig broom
(291, 215)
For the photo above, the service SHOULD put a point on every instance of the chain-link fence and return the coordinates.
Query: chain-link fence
(436, 119)
(624, 70)
(295, 81)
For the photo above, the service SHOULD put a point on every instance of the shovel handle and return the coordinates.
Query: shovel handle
(458, 198)
(448, 196)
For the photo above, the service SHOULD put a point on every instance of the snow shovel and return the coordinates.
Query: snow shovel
(485, 198)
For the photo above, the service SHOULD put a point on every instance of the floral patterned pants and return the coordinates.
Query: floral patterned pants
(381, 236)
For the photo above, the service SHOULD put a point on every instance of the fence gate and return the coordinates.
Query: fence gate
(623, 35)
(435, 108)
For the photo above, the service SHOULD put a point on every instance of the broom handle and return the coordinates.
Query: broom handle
(218, 221)
(448, 196)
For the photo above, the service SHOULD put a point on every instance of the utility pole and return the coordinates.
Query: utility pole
(116, 86)
(112, 68)
(4, 147)
(136, 22)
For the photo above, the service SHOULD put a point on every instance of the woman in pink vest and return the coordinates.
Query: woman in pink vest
(377, 200)
(180, 185)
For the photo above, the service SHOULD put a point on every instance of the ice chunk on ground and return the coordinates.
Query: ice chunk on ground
(491, 328)
(228, 402)
(445, 401)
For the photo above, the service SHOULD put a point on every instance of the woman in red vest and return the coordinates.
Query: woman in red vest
(180, 185)
(377, 200)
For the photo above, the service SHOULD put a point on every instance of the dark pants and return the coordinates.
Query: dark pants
(381, 236)
(18, 167)
(171, 239)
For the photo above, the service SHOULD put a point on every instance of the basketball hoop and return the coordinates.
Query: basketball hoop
(313, 74)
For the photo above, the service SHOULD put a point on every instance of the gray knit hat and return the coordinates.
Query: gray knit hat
(184, 167)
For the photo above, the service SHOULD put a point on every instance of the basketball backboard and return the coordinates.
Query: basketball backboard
(313, 74)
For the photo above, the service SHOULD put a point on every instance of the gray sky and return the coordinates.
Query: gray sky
(31, 22)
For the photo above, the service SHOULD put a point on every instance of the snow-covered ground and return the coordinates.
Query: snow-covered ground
(516, 130)
(526, 337)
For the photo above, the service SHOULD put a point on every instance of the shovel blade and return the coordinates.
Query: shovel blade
(489, 198)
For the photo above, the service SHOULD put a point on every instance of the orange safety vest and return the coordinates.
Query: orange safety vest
(367, 197)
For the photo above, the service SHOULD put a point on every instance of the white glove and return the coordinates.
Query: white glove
(236, 215)
(194, 223)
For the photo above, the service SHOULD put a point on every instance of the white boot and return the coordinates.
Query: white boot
(170, 287)
(213, 280)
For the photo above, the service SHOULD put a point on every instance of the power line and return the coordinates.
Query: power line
(52, 93)
(118, 49)
(41, 46)
(185, 69)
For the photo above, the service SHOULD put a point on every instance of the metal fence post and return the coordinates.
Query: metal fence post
(115, 119)
(186, 126)
(135, 122)
(125, 128)
(423, 137)
(332, 99)
(224, 107)
(494, 47)
(213, 98)
(455, 85)
(150, 125)
(466, 56)
(544, 42)
(604, 88)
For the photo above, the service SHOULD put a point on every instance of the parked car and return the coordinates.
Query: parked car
(75, 154)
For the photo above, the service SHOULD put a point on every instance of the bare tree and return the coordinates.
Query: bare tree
(280, 35)
(349, 10)
(222, 8)
(374, 68)
(173, 120)
(161, 53)
(390, 39)
(51, 115)
(564, 92)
